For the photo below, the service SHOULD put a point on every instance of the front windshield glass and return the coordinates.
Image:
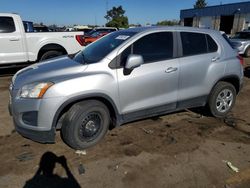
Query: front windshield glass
(242, 35)
(102, 47)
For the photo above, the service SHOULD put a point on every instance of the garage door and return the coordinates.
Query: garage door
(205, 22)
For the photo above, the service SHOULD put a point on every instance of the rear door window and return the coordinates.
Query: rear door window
(7, 25)
(193, 43)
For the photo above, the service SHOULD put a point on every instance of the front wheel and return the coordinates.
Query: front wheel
(85, 124)
(222, 99)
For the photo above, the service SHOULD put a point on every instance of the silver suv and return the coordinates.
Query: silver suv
(125, 76)
(242, 42)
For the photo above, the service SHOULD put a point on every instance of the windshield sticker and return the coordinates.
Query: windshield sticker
(122, 37)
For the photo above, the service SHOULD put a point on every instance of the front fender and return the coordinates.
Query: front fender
(97, 96)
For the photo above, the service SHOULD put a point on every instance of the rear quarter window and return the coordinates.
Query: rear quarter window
(228, 40)
(7, 25)
(211, 44)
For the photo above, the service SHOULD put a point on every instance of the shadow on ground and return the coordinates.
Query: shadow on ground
(44, 177)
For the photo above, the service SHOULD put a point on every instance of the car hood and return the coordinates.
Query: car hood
(53, 70)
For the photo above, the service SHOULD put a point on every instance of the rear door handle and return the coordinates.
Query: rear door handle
(171, 69)
(14, 39)
(215, 59)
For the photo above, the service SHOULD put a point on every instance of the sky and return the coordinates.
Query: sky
(83, 12)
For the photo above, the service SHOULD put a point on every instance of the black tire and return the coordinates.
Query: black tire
(247, 52)
(85, 124)
(50, 54)
(222, 99)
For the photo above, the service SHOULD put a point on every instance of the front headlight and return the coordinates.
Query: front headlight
(34, 90)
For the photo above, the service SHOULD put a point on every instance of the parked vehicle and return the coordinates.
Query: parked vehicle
(234, 44)
(125, 76)
(18, 46)
(94, 36)
(85, 30)
(101, 29)
(42, 28)
(242, 39)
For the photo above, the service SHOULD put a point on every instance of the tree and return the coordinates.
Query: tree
(115, 18)
(168, 22)
(200, 4)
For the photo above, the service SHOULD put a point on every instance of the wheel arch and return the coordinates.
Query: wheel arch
(49, 47)
(246, 48)
(61, 111)
(233, 79)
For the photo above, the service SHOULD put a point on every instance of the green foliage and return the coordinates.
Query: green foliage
(116, 18)
(168, 22)
(200, 4)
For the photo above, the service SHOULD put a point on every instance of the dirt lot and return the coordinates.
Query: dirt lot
(183, 149)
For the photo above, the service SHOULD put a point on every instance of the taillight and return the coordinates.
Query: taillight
(80, 39)
(241, 60)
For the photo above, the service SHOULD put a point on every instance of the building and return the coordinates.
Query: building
(229, 18)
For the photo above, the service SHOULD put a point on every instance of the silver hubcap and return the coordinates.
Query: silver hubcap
(90, 126)
(224, 100)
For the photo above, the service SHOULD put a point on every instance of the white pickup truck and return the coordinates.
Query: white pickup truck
(18, 46)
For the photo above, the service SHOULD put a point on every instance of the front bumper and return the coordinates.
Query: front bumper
(33, 118)
(37, 136)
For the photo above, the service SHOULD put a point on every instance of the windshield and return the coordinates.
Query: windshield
(242, 35)
(102, 47)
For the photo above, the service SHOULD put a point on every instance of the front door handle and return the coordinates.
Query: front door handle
(14, 39)
(171, 69)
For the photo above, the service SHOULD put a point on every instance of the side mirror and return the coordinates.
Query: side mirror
(133, 61)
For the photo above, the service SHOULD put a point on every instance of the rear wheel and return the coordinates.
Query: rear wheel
(50, 54)
(85, 124)
(222, 99)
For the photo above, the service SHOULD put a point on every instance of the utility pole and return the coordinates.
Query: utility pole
(107, 6)
(95, 21)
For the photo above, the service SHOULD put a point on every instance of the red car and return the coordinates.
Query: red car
(94, 36)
